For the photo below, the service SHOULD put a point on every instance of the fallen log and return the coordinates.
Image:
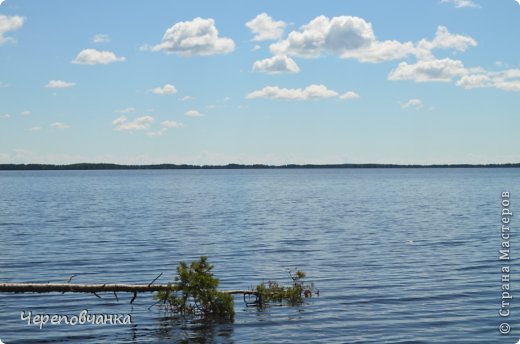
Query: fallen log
(95, 288)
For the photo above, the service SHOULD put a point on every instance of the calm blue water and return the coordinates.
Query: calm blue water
(399, 255)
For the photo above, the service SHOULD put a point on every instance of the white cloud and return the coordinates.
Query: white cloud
(508, 80)
(125, 110)
(140, 123)
(349, 95)
(186, 98)
(446, 40)
(447, 70)
(416, 104)
(435, 70)
(9, 23)
(276, 64)
(474, 81)
(35, 129)
(60, 84)
(94, 57)
(196, 37)
(159, 132)
(59, 125)
(349, 37)
(4, 85)
(25, 113)
(101, 38)
(354, 37)
(381, 51)
(166, 125)
(6, 116)
(312, 40)
(171, 124)
(193, 113)
(166, 89)
(265, 28)
(308, 93)
(462, 3)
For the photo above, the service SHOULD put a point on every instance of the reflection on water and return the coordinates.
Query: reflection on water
(197, 331)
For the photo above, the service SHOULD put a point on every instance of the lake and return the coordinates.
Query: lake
(399, 255)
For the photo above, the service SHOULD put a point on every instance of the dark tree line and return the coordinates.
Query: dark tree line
(105, 166)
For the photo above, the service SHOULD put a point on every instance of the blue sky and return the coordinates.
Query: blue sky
(217, 82)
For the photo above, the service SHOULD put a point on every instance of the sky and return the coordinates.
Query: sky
(269, 82)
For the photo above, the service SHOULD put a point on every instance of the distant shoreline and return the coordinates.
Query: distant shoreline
(104, 166)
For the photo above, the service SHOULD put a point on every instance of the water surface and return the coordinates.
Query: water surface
(399, 255)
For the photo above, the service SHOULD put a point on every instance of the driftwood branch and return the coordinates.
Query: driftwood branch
(155, 279)
(95, 288)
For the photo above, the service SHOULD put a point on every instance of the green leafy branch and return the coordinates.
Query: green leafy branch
(293, 295)
(195, 293)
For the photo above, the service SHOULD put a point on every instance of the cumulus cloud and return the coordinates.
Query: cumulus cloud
(125, 110)
(35, 128)
(447, 70)
(346, 36)
(350, 95)
(445, 40)
(308, 93)
(94, 57)
(474, 81)
(171, 124)
(381, 51)
(265, 28)
(140, 123)
(166, 89)
(59, 125)
(416, 104)
(431, 70)
(165, 126)
(25, 113)
(354, 38)
(159, 132)
(101, 38)
(193, 113)
(508, 80)
(7, 24)
(461, 3)
(197, 37)
(276, 64)
(60, 84)
(186, 98)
